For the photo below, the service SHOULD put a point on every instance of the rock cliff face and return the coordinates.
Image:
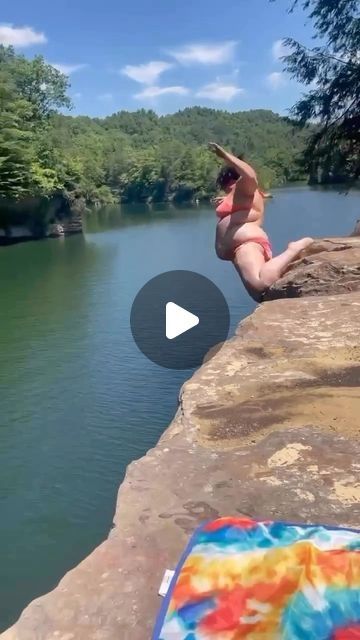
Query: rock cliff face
(356, 231)
(36, 218)
(328, 267)
(73, 224)
(268, 428)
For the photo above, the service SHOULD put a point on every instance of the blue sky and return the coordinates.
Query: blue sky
(160, 54)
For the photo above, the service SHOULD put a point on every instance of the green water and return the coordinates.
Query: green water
(78, 401)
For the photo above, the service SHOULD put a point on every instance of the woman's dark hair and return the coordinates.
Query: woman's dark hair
(227, 174)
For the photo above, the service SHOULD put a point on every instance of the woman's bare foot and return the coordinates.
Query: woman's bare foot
(300, 245)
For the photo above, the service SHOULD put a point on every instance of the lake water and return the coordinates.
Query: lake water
(78, 400)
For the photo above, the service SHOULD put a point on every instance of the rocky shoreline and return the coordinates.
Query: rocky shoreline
(39, 218)
(268, 428)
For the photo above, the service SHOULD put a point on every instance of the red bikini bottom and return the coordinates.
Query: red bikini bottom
(263, 242)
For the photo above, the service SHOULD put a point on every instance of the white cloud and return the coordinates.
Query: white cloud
(20, 36)
(211, 53)
(147, 73)
(279, 49)
(67, 69)
(106, 97)
(219, 91)
(275, 80)
(77, 96)
(155, 92)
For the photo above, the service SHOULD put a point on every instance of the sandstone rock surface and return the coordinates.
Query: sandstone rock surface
(356, 231)
(330, 266)
(268, 428)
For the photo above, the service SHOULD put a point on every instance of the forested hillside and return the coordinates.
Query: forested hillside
(129, 156)
(140, 156)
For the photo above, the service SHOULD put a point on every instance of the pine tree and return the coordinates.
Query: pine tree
(331, 70)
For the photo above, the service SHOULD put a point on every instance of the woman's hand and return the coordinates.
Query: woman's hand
(215, 148)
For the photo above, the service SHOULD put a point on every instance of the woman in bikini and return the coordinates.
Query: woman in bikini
(239, 234)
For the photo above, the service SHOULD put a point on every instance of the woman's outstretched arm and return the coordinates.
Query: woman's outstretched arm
(246, 173)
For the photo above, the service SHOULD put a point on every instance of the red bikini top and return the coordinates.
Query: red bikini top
(228, 206)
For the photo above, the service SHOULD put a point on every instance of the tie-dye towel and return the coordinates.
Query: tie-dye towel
(241, 579)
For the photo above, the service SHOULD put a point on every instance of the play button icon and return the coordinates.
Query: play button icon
(178, 317)
(178, 320)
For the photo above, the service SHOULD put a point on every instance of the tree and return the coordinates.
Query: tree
(37, 82)
(332, 72)
(15, 141)
(30, 93)
(127, 157)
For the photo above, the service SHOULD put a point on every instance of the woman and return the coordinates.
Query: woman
(239, 233)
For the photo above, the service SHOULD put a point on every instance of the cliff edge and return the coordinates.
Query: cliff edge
(328, 267)
(268, 428)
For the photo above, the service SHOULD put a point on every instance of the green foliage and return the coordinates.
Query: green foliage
(30, 91)
(127, 157)
(143, 157)
(15, 139)
(40, 84)
(332, 72)
(44, 181)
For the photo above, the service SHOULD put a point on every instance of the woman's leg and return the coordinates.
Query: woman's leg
(274, 269)
(258, 275)
(248, 261)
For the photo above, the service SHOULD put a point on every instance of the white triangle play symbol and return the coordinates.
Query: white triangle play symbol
(178, 320)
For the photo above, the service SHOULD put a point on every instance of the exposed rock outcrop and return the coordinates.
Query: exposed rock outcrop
(36, 218)
(269, 428)
(73, 224)
(356, 231)
(330, 266)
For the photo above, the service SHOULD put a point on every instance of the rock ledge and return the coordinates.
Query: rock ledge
(268, 428)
